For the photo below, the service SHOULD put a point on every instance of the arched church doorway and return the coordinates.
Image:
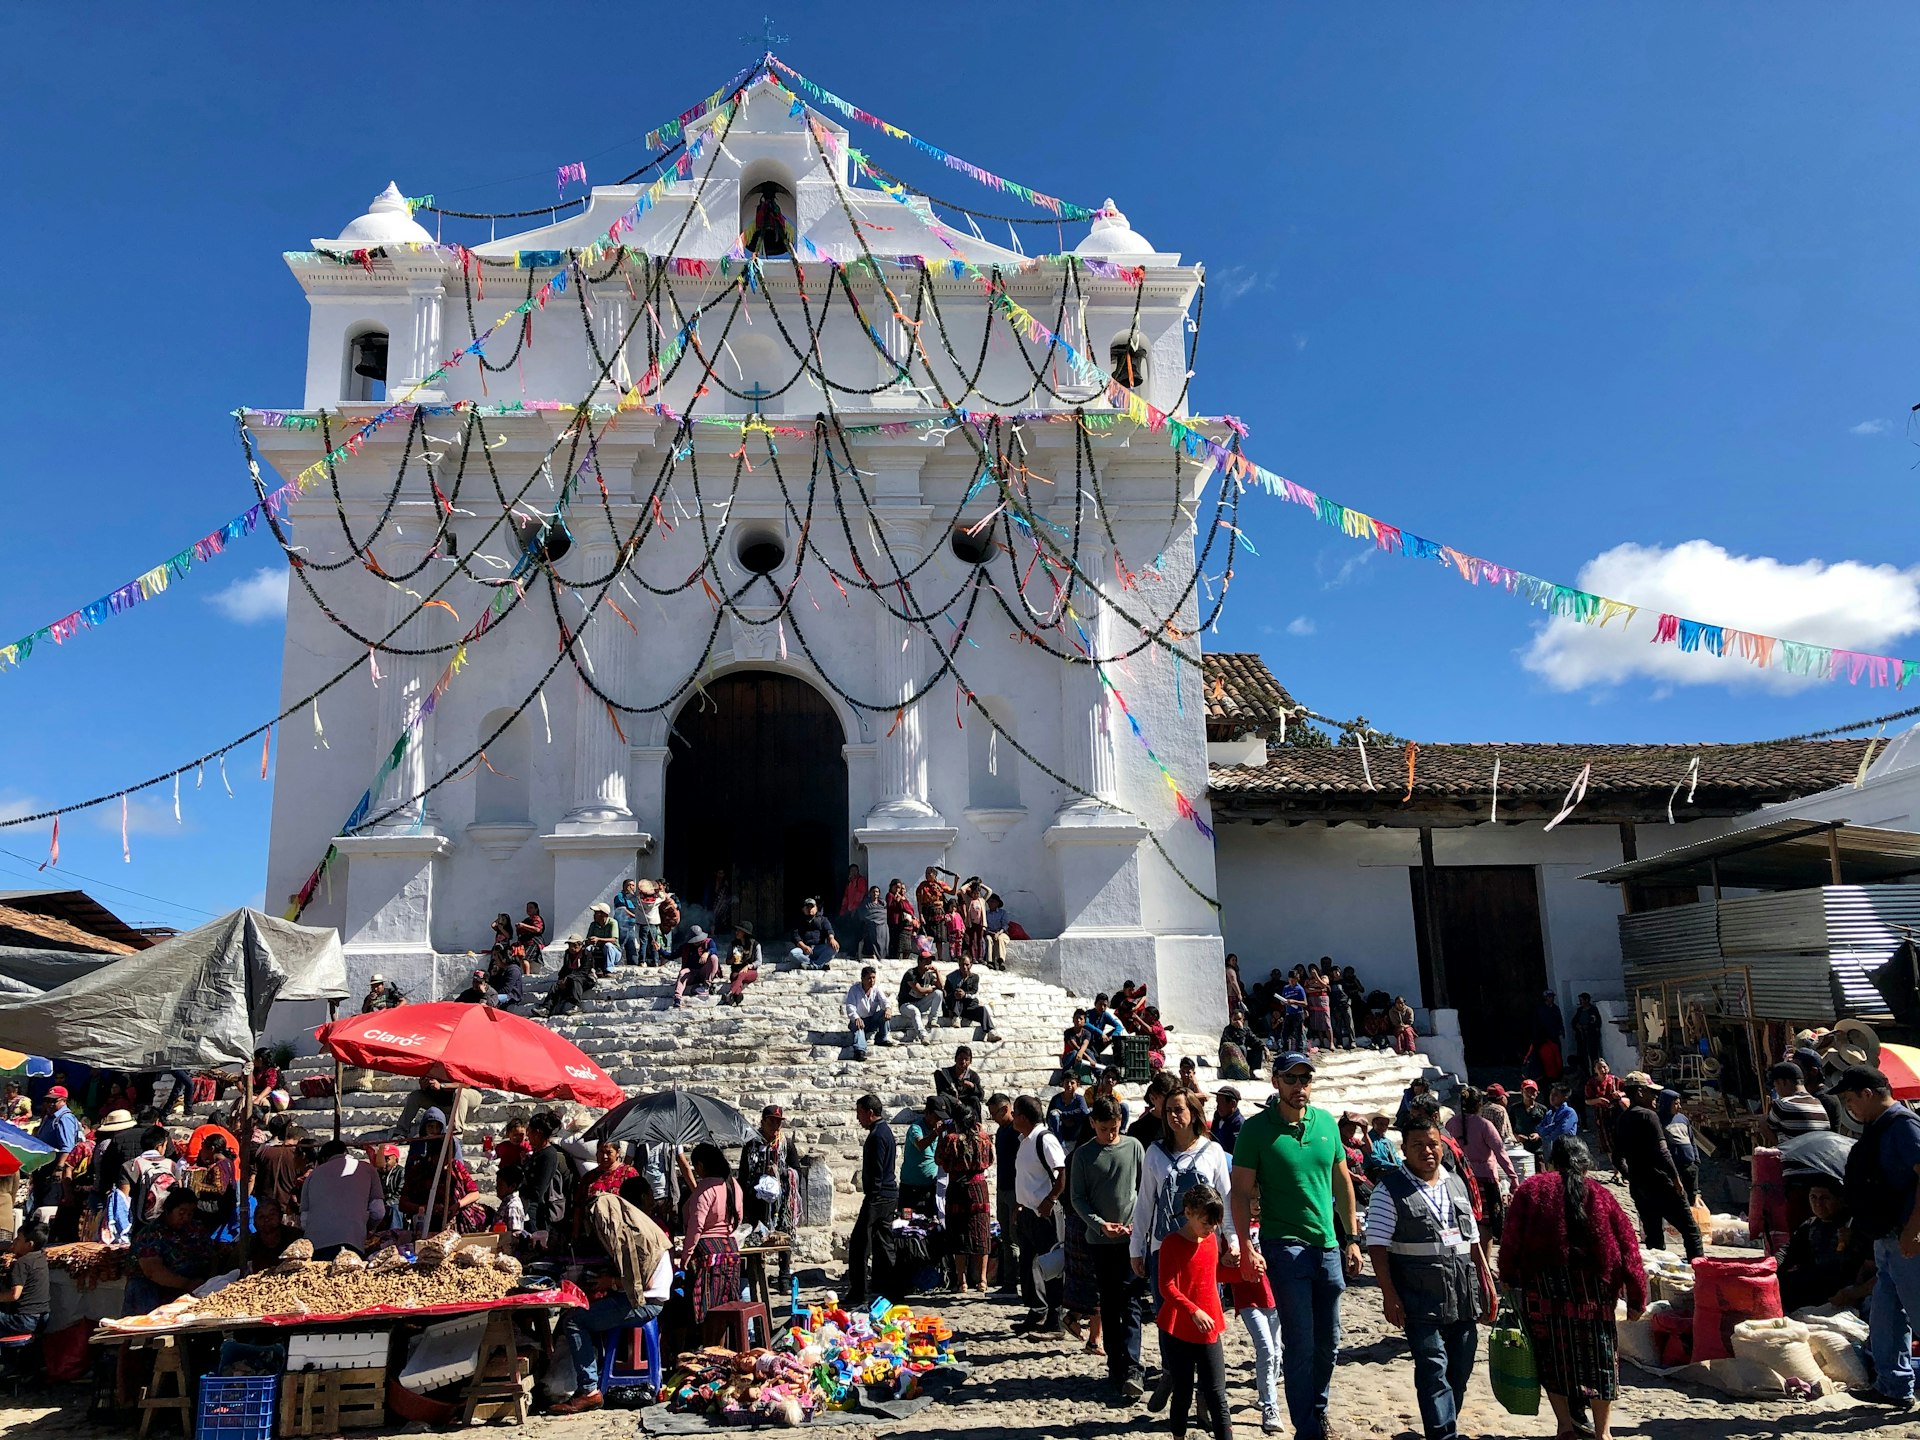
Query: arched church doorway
(757, 788)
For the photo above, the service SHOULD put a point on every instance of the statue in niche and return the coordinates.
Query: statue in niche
(769, 234)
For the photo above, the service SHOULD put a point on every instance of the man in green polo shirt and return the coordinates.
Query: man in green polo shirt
(1290, 1155)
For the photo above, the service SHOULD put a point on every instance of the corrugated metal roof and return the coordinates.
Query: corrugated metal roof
(1779, 855)
(1808, 951)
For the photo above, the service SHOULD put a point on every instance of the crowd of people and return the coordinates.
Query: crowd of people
(945, 921)
(1106, 1216)
(1166, 1214)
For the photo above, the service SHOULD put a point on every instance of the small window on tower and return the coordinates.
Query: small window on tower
(366, 367)
(1127, 361)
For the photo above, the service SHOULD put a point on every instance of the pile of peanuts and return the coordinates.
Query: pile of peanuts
(305, 1286)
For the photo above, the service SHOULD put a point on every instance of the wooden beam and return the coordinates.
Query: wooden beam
(1833, 854)
(1436, 950)
(1629, 851)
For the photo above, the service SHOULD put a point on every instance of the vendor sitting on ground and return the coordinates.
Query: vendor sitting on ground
(630, 1291)
(1825, 1264)
(478, 992)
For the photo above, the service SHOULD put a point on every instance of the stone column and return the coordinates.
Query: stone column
(902, 667)
(596, 843)
(600, 756)
(898, 394)
(904, 833)
(425, 348)
(406, 681)
(388, 922)
(612, 308)
(1088, 736)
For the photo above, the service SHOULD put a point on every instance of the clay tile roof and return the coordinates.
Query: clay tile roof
(1242, 695)
(1757, 773)
(24, 929)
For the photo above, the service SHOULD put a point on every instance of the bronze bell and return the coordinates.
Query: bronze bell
(370, 357)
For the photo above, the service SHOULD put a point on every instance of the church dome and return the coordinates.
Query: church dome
(388, 221)
(1111, 236)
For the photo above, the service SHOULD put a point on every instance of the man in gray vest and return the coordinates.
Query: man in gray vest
(1432, 1271)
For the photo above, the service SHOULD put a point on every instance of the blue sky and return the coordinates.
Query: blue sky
(1540, 282)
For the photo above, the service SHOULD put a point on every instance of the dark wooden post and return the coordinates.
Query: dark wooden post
(1629, 852)
(1436, 951)
(1833, 854)
(333, 1014)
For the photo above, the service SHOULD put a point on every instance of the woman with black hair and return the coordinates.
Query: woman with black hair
(1570, 1251)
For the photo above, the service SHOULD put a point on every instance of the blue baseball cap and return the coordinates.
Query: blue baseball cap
(1290, 1060)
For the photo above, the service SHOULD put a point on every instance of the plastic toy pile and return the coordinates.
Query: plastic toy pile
(828, 1361)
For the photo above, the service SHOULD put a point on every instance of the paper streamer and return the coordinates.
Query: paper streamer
(1576, 792)
(1493, 798)
(53, 847)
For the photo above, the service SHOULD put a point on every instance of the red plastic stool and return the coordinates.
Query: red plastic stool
(734, 1324)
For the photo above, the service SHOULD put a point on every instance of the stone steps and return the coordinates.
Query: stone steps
(787, 1045)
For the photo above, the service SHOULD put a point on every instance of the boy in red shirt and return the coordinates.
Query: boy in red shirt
(1191, 1321)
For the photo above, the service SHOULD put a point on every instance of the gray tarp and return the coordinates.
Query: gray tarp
(197, 1000)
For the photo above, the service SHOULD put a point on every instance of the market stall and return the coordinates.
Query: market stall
(443, 1329)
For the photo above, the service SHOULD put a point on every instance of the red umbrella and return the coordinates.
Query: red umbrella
(474, 1045)
(1901, 1065)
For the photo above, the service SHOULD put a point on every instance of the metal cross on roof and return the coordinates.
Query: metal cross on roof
(766, 37)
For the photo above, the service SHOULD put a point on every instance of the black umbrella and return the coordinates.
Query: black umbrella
(672, 1117)
(1817, 1155)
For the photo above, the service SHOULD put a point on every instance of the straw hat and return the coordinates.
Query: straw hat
(113, 1122)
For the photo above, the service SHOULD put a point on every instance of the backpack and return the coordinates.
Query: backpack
(1169, 1210)
(151, 1186)
(669, 913)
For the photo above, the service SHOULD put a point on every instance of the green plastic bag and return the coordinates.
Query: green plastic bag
(1510, 1369)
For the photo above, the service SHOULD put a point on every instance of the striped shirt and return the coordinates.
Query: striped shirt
(1797, 1114)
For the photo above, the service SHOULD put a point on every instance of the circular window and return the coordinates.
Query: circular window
(761, 553)
(972, 549)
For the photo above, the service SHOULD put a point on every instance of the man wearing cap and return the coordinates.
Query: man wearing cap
(1653, 1180)
(477, 990)
(603, 942)
(60, 1127)
(1883, 1191)
(382, 994)
(1792, 1111)
(813, 940)
(1290, 1155)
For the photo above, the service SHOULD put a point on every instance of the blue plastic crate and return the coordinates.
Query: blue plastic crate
(236, 1407)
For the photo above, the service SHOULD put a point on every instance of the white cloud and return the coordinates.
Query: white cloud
(1843, 604)
(1299, 341)
(1868, 427)
(13, 805)
(147, 817)
(260, 596)
(1236, 282)
(1352, 558)
(1301, 625)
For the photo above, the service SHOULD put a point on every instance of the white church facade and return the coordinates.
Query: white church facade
(798, 725)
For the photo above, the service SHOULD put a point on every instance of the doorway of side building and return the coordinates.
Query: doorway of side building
(1491, 944)
(757, 789)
